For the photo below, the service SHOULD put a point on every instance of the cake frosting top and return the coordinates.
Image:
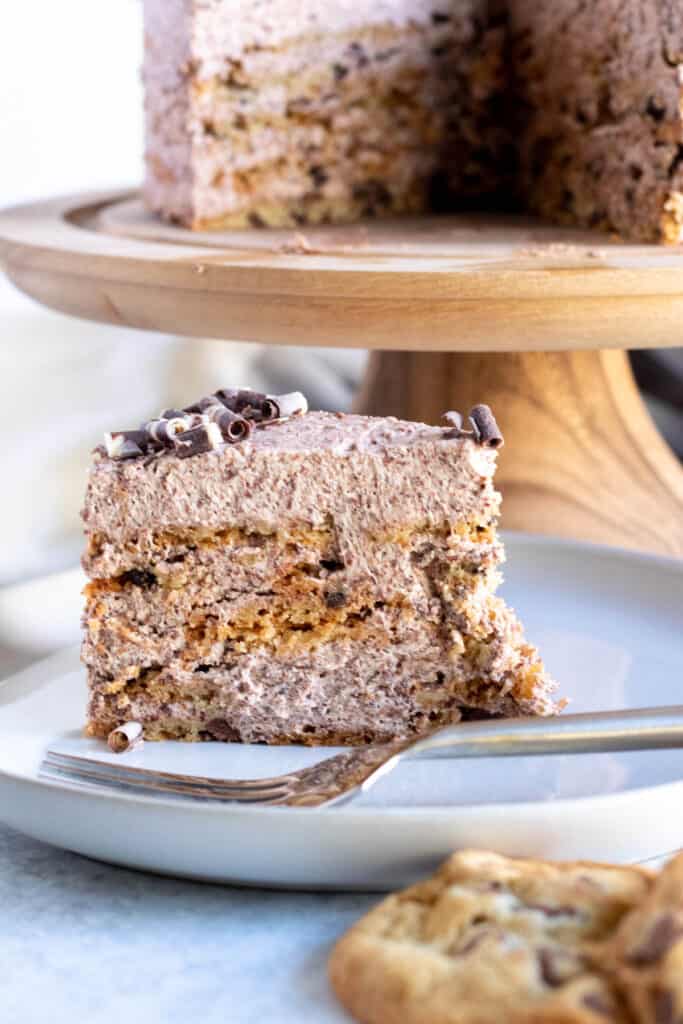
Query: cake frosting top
(363, 473)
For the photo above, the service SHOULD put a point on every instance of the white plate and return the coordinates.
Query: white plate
(609, 624)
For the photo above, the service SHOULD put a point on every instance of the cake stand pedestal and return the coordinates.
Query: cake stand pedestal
(532, 319)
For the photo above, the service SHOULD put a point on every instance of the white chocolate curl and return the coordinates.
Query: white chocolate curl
(125, 737)
(290, 404)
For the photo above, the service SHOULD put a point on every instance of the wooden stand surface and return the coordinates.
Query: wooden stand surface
(432, 295)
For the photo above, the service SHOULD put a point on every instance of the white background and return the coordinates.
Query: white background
(71, 116)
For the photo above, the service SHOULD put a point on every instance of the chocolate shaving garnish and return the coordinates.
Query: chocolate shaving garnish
(242, 400)
(663, 935)
(291, 404)
(119, 447)
(453, 419)
(164, 431)
(228, 415)
(205, 405)
(125, 737)
(233, 427)
(485, 427)
(197, 440)
(270, 409)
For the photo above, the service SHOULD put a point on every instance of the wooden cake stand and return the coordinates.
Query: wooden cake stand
(532, 319)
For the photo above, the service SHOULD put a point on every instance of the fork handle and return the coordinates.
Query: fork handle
(639, 729)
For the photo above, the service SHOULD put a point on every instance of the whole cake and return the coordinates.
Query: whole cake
(261, 573)
(273, 113)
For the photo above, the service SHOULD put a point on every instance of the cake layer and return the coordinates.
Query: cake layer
(309, 472)
(226, 600)
(392, 681)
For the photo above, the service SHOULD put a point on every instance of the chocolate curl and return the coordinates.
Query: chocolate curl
(164, 431)
(171, 414)
(243, 400)
(120, 446)
(485, 427)
(291, 404)
(454, 420)
(125, 737)
(205, 405)
(233, 427)
(197, 440)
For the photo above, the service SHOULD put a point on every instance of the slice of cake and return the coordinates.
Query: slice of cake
(264, 574)
(277, 113)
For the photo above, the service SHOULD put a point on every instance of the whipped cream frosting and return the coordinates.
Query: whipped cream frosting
(311, 469)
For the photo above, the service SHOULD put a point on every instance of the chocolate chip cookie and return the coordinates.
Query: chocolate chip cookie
(646, 954)
(489, 940)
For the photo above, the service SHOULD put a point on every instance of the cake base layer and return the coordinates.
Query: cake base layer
(273, 639)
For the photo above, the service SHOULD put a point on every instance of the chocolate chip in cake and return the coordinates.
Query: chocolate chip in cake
(597, 1002)
(549, 911)
(319, 176)
(358, 53)
(340, 72)
(335, 599)
(665, 1008)
(655, 109)
(665, 932)
(475, 940)
(331, 565)
(143, 578)
(557, 966)
(221, 730)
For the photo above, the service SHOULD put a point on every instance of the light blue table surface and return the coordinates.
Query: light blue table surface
(85, 943)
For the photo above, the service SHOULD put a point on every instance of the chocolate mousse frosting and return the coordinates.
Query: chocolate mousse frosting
(327, 578)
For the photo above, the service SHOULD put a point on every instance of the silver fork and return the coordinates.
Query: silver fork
(342, 777)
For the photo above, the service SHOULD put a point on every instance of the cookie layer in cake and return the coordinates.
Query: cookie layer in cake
(329, 579)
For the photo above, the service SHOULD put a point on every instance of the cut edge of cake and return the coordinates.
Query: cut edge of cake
(270, 117)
